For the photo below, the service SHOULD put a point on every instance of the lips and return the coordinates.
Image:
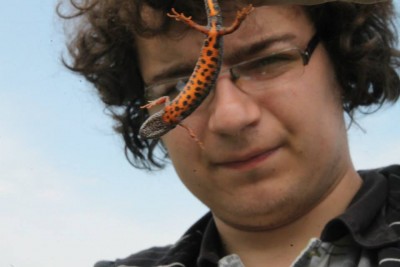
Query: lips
(247, 161)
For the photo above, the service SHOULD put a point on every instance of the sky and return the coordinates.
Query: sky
(68, 196)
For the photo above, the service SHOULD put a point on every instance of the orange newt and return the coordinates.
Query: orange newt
(203, 77)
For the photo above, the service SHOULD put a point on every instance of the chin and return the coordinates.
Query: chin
(263, 212)
(259, 223)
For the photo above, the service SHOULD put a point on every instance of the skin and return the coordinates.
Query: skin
(276, 165)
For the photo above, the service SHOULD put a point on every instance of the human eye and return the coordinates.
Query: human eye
(272, 65)
(170, 88)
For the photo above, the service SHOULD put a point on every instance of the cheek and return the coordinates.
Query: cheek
(311, 104)
(184, 151)
(185, 155)
(310, 113)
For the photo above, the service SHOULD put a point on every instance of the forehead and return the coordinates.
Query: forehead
(181, 46)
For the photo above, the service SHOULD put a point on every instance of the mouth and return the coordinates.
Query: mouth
(248, 161)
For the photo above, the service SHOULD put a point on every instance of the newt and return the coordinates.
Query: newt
(203, 77)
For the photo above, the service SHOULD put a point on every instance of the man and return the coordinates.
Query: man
(274, 166)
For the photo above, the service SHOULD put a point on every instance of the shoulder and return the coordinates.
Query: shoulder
(390, 177)
(390, 255)
(392, 172)
(389, 191)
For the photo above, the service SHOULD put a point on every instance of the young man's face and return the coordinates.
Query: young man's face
(269, 155)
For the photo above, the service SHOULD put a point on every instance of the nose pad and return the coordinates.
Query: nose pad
(232, 109)
(234, 76)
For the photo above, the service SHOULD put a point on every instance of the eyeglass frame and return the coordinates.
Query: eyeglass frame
(305, 56)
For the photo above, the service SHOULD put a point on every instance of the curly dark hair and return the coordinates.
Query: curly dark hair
(361, 41)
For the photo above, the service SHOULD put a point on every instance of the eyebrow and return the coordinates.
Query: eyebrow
(183, 69)
(252, 49)
(180, 70)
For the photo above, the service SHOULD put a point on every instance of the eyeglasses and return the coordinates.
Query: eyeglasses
(264, 72)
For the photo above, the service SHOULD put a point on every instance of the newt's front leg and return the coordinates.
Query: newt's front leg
(188, 20)
(240, 16)
(162, 100)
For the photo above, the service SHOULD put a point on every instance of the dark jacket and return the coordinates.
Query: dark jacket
(367, 234)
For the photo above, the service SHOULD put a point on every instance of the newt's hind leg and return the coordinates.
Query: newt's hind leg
(240, 16)
(188, 20)
(192, 135)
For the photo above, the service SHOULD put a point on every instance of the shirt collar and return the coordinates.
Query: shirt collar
(365, 219)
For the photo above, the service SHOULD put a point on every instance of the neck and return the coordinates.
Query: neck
(280, 246)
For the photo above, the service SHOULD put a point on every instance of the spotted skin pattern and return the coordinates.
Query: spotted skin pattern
(203, 77)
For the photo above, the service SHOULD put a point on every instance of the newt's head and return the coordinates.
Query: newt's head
(155, 127)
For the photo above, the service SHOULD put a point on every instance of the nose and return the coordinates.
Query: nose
(232, 109)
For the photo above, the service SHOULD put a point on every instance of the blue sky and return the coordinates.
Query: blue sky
(68, 197)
